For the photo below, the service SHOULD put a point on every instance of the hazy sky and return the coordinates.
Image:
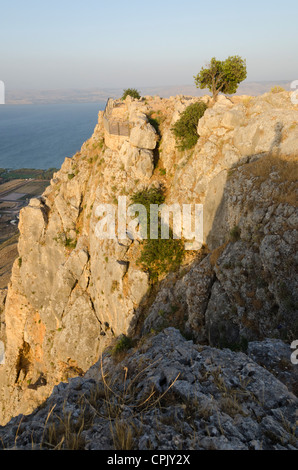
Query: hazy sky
(127, 43)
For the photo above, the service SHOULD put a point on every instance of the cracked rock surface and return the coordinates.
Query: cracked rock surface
(165, 394)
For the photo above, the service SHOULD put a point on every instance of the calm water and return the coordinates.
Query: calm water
(41, 136)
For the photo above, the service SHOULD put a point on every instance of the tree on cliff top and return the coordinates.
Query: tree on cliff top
(131, 92)
(222, 76)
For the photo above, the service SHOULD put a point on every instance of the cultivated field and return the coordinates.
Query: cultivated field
(14, 195)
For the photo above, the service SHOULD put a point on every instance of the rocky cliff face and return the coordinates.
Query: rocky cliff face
(71, 293)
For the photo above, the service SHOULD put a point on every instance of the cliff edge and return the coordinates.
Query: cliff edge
(72, 294)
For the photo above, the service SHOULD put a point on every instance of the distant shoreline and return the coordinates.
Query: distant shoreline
(94, 95)
(10, 174)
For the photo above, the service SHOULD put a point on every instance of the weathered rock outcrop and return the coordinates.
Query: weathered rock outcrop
(174, 394)
(71, 293)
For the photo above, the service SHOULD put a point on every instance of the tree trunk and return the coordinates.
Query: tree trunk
(215, 93)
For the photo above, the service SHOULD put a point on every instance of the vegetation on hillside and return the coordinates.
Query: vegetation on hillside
(26, 173)
(277, 89)
(185, 129)
(131, 92)
(159, 255)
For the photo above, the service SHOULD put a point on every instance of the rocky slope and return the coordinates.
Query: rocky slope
(72, 294)
(169, 394)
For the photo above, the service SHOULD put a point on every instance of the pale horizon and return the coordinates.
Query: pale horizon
(95, 44)
(91, 95)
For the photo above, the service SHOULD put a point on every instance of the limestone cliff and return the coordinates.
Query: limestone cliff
(72, 293)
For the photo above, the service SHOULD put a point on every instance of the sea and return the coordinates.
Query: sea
(41, 136)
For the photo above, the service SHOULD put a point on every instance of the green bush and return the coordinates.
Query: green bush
(123, 344)
(131, 92)
(158, 256)
(161, 256)
(185, 129)
(146, 198)
(277, 89)
(235, 233)
(66, 241)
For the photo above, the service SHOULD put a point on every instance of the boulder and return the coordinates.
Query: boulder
(144, 136)
(138, 162)
(235, 117)
(138, 282)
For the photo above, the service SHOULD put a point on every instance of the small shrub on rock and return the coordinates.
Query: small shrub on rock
(131, 92)
(235, 233)
(160, 255)
(185, 129)
(123, 344)
(277, 89)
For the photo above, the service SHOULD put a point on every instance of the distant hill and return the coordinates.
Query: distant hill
(246, 88)
(101, 94)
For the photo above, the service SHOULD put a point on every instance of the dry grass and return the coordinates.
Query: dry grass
(286, 166)
(109, 399)
(63, 431)
(231, 399)
(66, 434)
(247, 101)
(215, 255)
(161, 110)
(290, 430)
(123, 435)
(231, 406)
(287, 169)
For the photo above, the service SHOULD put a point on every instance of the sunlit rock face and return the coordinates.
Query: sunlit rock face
(71, 293)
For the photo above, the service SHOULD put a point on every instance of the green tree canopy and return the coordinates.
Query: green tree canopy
(131, 92)
(222, 76)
